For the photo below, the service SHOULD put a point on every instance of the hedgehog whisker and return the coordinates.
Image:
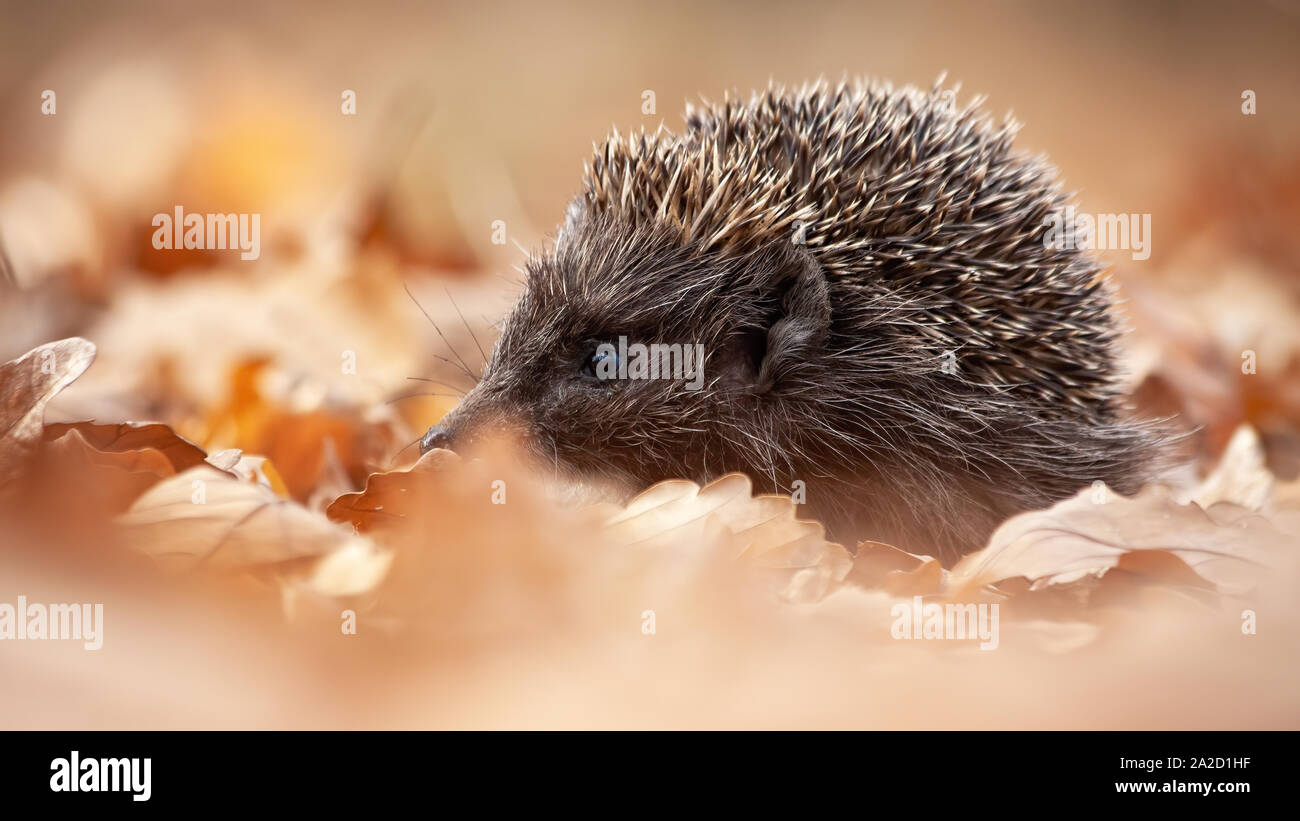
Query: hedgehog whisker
(437, 382)
(442, 336)
(425, 393)
(404, 449)
(472, 335)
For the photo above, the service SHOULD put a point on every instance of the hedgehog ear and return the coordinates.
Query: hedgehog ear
(803, 323)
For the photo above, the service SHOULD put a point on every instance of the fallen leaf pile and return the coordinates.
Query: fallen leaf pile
(454, 592)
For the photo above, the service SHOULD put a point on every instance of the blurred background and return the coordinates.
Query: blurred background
(471, 126)
(470, 115)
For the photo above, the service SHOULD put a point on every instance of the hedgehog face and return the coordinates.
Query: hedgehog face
(632, 357)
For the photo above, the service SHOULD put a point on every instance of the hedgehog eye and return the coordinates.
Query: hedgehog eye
(602, 362)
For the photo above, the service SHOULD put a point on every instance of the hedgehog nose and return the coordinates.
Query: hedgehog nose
(437, 436)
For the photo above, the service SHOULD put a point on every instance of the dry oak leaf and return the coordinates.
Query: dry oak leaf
(391, 497)
(133, 444)
(107, 467)
(880, 565)
(676, 513)
(1084, 537)
(761, 529)
(206, 517)
(26, 385)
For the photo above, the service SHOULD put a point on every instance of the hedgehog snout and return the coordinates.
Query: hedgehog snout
(481, 415)
(438, 436)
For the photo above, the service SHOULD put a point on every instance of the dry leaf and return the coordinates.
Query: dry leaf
(206, 517)
(103, 481)
(225, 459)
(1241, 477)
(308, 446)
(389, 497)
(1081, 539)
(26, 385)
(763, 530)
(880, 565)
(356, 568)
(259, 471)
(130, 438)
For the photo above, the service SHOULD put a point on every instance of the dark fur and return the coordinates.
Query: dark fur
(924, 235)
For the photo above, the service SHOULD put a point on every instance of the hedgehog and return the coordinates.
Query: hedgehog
(886, 333)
